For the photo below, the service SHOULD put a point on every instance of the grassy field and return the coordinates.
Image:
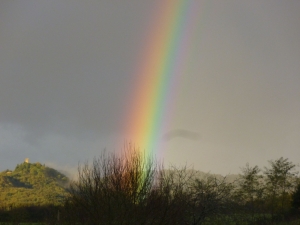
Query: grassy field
(239, 220)
(221, 221)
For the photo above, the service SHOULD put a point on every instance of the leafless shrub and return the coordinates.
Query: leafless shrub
(132, 189)
(111, 188)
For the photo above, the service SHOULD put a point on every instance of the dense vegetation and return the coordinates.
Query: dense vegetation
(132, 189)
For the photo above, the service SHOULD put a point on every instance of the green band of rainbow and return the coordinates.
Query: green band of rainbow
(161, 67)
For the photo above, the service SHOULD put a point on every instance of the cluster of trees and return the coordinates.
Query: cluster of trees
(132, 189)
(30, 214)
(272, 192)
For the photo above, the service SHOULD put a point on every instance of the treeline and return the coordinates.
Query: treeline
(133, 189)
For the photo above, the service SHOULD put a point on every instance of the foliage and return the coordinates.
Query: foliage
(280, 182)
(296, 198)
(250, 190)
(210, 197)
(30, 215)
(128, 189)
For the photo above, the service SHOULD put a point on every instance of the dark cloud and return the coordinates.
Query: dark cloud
(65, 65)
(181, 133)
(67, 69)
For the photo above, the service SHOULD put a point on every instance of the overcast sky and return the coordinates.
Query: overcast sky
(67, 71)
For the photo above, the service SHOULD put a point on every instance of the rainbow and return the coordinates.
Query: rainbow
(160, 69)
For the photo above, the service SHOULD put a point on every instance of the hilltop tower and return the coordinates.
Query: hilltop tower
(26, 160)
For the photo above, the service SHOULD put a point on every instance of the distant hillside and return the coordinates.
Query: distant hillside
(202, 175)
(228, 178)
(32, 184)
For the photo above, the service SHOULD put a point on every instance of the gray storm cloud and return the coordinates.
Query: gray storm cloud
(181, 133)
(68, 69)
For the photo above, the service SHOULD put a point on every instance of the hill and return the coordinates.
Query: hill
(32, 184)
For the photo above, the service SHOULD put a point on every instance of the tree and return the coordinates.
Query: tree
(296, 198)
(280, 181)
(211, 197)
(250, 188)
(173, 196)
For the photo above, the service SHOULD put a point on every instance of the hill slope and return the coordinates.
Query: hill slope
(32, 184)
